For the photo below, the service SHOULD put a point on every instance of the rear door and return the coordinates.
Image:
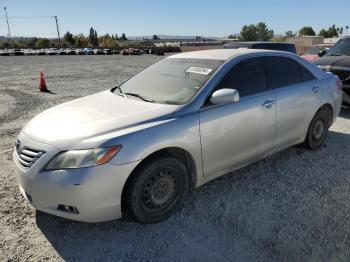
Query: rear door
(233, 133)
(297, 98)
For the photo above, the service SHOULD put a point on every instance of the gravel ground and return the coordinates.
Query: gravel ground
(293, 206)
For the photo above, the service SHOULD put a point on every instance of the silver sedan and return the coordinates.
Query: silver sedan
(190, 118)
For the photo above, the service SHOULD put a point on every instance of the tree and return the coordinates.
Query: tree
(307, 31)
(32, 42)
(96, 38)
(331, 32)
(155, 37)
(289, 34)
(263, 33)
(68, 38)
(248, 33)
(123, 37)
(107, 41)
(43, 42)
(81, 40)
(5, 44)
(116, 37)
(258, 32)
(93, 37)
(232, 36)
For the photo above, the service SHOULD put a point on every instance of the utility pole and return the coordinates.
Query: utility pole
(8, 26)
(58, 31)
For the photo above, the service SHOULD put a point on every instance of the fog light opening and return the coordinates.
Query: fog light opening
(69, 209)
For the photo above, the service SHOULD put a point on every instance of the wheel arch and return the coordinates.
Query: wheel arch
(323, 106)
(327, 107)
(181, 154)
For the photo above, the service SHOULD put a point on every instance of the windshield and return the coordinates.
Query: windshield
(342, 47)
(313, 50)
(171, 81)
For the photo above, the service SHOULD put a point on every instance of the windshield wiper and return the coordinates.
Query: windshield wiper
(139, 96)
(117, 88)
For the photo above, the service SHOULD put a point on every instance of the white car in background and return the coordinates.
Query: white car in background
(52, 51)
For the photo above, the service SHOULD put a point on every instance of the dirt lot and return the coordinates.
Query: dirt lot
(293, 206)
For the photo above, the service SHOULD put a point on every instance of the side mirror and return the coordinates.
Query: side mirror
(224, 96)
(322, 53)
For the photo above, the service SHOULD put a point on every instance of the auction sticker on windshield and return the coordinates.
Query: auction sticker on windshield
(199, 70)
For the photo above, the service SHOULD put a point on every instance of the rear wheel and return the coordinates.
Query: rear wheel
(156, 190)
(318, 129)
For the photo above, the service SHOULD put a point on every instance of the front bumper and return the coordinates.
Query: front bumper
(95, 191)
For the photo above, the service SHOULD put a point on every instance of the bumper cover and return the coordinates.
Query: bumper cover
(94, 191)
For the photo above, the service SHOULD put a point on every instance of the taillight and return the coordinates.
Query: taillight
(339, 84)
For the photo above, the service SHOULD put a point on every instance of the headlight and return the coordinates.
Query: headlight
(82, 158)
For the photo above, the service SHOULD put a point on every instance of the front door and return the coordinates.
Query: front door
(236, 132)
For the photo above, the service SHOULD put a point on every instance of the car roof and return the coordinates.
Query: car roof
(220, 54)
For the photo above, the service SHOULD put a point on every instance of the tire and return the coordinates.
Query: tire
(156, 190)
(318, 129)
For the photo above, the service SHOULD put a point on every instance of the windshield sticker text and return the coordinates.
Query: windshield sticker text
(199, 70)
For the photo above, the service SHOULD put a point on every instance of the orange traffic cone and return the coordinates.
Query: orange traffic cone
(42, 84)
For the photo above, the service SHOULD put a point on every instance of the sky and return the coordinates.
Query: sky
(216, 18)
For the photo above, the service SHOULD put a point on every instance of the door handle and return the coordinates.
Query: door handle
(268, 104)
(315, 89)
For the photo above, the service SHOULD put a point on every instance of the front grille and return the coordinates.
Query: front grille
(342, 74)
(28, 156)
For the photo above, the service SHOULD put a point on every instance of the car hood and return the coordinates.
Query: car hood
(343, 61)
(72, 124)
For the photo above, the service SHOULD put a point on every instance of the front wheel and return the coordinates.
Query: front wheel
(318, 129)
(156, 190)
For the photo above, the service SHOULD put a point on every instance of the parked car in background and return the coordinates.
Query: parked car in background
(190, 118)
(107, 51)
(135, 51)
(288, 47)
(125, 52)
(61, 51)
(29, 52)
(17, 52)
(337, 61)
(88, 51)
(5, 52)
(52, 51)
(70, 51)
(315, 51)
(98, 52)
(40, 52)
(79, 51)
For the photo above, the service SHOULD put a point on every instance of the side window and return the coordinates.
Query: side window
(247, 77)
(259, 46)
(278, 47)
(283, 71)
(305, 73)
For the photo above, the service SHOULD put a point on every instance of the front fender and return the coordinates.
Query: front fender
(182, 132)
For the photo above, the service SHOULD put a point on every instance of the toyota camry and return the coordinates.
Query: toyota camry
(139, 148)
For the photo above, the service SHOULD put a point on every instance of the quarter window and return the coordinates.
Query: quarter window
(247, 77)
(305, 73)
(283, 71)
